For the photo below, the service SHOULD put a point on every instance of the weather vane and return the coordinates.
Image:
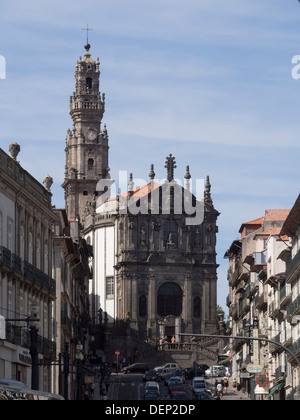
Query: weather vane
(87, 29)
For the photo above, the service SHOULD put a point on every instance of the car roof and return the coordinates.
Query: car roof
(12, 383)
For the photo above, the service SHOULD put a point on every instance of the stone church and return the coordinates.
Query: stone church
(154, 256)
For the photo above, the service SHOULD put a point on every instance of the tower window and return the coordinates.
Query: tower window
(85, 193)
(89, 83)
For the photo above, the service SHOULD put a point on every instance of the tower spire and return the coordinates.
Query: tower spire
(87, 29)
(170, 166)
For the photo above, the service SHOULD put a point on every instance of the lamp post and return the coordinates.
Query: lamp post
(32, 322)
(33, 328)
(66, 371)
(79, 358)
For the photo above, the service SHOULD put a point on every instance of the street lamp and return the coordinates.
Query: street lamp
(33, 328)
(33, 322)
(79, 358)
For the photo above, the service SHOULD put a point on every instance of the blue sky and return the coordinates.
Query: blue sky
(209, 81)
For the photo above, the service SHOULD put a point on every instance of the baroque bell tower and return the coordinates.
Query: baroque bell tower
(87, 143)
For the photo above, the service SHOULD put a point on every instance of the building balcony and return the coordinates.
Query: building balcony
(65, 321)
(285, 296)
(5, 258)
(20, 336)
(292, 267)
(276, 348)
(261, 301)
(14, 264)
(295, 349)
(244, 306)
(294, 307)
(39, 278)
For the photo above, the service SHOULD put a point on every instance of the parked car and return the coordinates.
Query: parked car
(179, 374)
(151, 375)
(152, 386)
(136, 368)
(172, 366)
(174, 381)
(178, 388)
(164, 372)
(190, 373)
(167, 379)
(180, 396)
(205, 396)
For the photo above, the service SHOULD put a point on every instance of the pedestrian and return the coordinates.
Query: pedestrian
(106, 386)
(226, 384)
(86, 395)
(216, 384)
(92, 389)
(173, 342)
(234, 384)
(220, 390)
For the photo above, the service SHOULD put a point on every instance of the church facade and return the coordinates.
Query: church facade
(154, 246)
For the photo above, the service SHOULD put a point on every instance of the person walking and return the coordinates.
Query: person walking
(173, 342)
(234, 384)
(225, 384)
(220, 390)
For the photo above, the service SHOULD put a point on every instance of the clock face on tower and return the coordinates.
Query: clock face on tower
(91, 135)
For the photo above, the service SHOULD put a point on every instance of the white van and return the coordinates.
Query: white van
(216, 371)
(198, 384)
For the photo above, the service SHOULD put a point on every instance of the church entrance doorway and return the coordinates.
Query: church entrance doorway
(169, 332)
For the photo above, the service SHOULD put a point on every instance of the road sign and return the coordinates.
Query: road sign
(117, 353)
(262, 381)
(254, 368)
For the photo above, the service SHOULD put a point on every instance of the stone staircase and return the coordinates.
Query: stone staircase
(185, 354)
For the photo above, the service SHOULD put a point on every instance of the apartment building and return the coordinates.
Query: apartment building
(26, 283)
(258, 298)
(291, 255)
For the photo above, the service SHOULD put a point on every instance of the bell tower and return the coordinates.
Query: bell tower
(87, 143)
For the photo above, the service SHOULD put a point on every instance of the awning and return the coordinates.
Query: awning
(275, 389)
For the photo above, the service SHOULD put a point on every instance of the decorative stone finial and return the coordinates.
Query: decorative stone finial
(187, 178)
(130, 186)
(170, 166)
(207, 195)
(48, 181)
(152, 173)
(14, 150)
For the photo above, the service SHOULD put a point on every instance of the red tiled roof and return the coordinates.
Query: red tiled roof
(268, 232)
(139, 192)
(258, 221)
(276, 214)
